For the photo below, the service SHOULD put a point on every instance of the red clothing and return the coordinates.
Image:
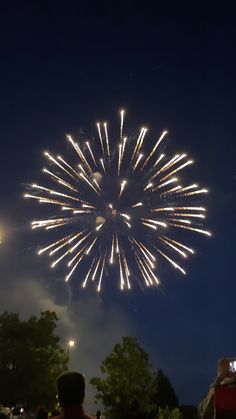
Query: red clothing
(225, 401)
(73, 412)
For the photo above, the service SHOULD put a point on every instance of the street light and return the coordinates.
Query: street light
(71, 344)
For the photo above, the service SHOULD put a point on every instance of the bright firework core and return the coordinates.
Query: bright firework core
(118, 204)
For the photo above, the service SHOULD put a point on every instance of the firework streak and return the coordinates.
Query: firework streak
(119, 208)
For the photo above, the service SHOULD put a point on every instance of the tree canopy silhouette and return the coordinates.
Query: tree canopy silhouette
(129, 388)
(31, 359)
(165, 394)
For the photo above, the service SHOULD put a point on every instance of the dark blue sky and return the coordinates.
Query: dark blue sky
(65, 65)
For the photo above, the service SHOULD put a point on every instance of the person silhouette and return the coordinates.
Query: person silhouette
(71, 392)
(223, 389)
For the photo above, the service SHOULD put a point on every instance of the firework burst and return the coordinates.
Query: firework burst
(119, 205)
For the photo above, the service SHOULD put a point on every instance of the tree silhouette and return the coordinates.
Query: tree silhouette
(31, 359)
(128, 386)
(165, 394)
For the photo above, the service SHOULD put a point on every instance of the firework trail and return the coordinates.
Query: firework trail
(119, 206)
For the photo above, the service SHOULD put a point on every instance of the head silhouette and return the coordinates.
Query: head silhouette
(71, 389)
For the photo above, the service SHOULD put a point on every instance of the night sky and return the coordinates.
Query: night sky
(65, 65)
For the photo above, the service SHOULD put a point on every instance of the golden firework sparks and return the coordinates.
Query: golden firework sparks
(100, 222)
